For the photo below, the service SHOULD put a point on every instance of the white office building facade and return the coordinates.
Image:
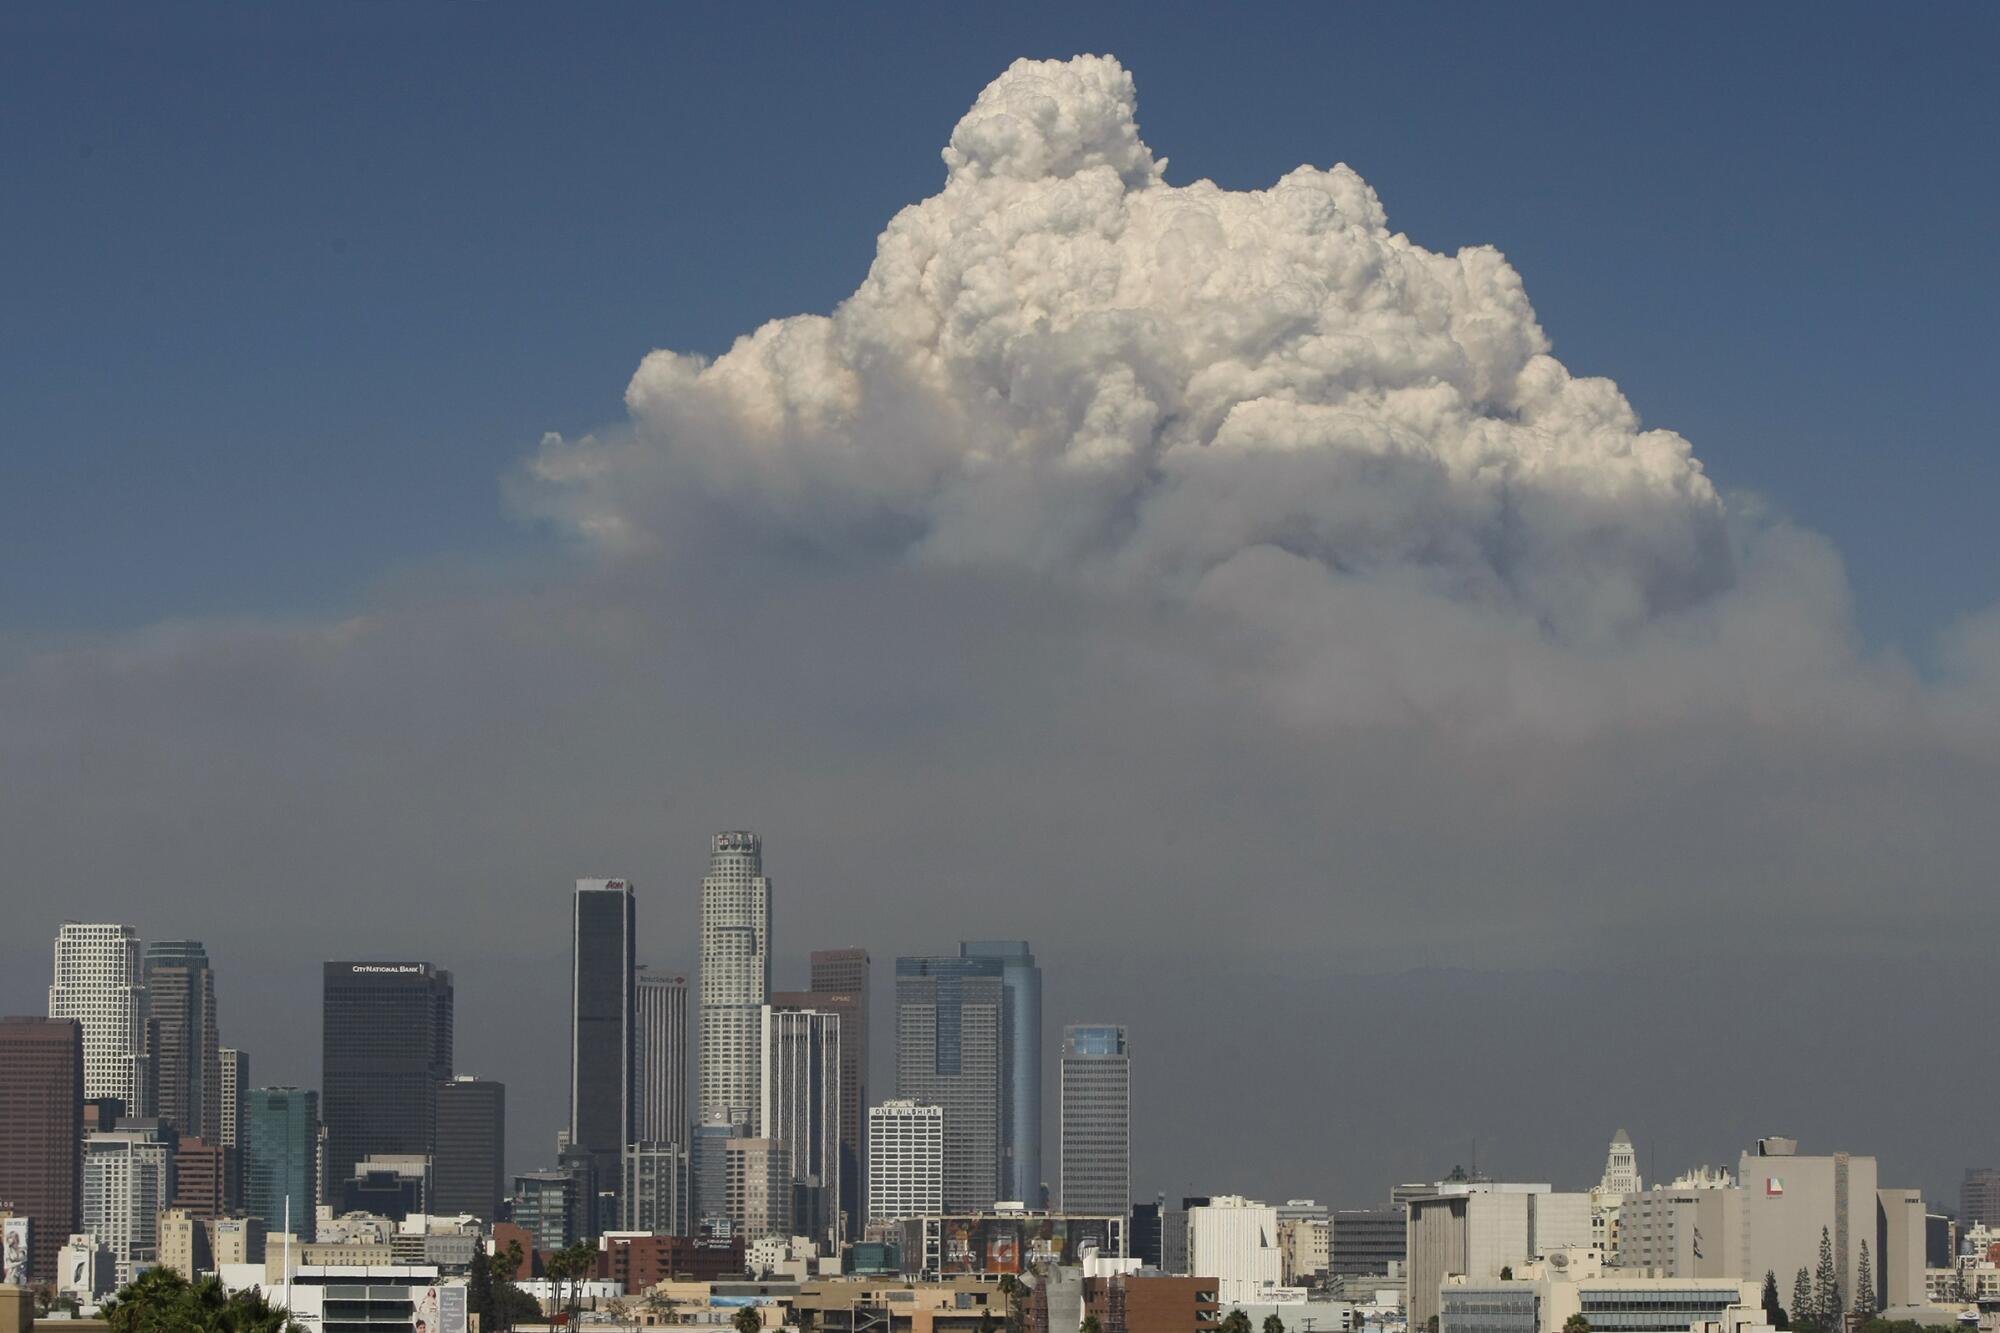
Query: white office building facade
(905, 1160)
(99, 982)
(735, 976)
(128, 1178)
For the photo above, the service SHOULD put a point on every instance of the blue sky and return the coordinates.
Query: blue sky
(289, 290)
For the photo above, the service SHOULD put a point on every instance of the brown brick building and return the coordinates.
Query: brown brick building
(41, 1132)
(641, 1262)
(201, 1178)
(1152, 1303)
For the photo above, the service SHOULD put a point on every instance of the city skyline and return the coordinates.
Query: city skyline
(1364, 570)
(537, 1151)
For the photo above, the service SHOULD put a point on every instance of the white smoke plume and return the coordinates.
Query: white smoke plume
(1064, 364)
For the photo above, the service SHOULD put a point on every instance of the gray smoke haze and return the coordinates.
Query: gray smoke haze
(1215, 588)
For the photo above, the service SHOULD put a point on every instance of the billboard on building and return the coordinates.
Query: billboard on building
(451, 1309)
(1018, 1244)
(14, 1251)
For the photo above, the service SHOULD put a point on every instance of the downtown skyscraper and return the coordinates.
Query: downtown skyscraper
(469, 1171)
(128, 1177)
(735, 976)
(234, 1082)
(280, 1133)
(182, 1037)
(660, 1105)
(801, 1112)
(655, 1181)
(41, 1132)
(951, 1020)
(1021, 1067)
(839, 981)
(99, 983)
(603, 964)
(386, 1046)
(1096, 1121)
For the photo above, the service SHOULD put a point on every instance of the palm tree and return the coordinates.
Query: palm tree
(1016, 1292)
(1273, 1324)
(567, 1269)
(1234, 1322)
(748, 1320)
(560, 1267)
(161, 1299)
(1576, 1323)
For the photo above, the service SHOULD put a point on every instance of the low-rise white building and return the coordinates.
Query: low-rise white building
(1235, 1241)
(86, 1269)
(1544, 1295)
(348, 1295)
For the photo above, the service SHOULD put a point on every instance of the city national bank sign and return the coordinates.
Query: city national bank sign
(395, 969)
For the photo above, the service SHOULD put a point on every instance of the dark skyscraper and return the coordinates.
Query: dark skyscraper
(603, 957)
(181, 1030)
(1020, 1068)
(950, 1051)
(41, 1132)
(386, 1046)
(469, 1173)
(840, 985)
(1142, 1239)
(1979, 1197)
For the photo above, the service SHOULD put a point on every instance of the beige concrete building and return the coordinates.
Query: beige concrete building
(236, 1240)
(1474, 1229)
(952, 1305)
(759, 1186)
(183, 1242)
(1899, 1248)
(1304, 1244)
(1772, 1223)
(1789, 1197)
(1683, 1232)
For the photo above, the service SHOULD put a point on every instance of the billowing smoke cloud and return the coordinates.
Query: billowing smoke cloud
(1062, 363)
